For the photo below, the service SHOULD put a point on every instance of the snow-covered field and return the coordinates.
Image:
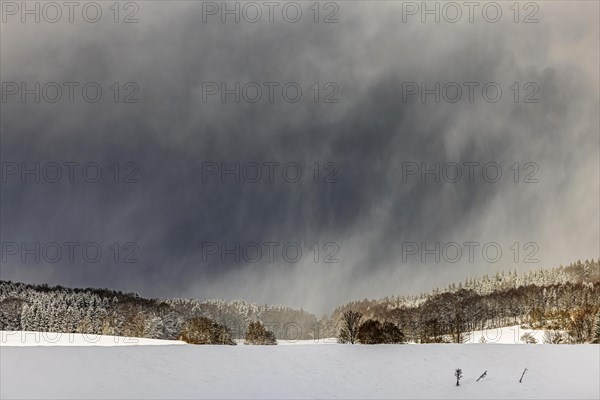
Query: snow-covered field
(28, 339)
(299, 371)
(505, 335)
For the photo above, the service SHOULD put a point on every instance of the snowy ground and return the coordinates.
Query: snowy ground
(299, 371)
(505, 335)
(28, 339)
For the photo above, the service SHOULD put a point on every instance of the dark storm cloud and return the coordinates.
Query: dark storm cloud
(369, 134)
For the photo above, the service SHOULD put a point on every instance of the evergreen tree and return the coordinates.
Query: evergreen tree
(10, 314)
(257, 334)
(391, 334)
(205, 331)
(458, 375)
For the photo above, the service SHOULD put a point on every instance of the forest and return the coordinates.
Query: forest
(46, 308)
(564, 301)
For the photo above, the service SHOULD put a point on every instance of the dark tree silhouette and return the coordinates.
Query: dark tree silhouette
(391, 334)
(370, 332)
(458, 375)
(350, 325)
(258, 334)
(202, 330)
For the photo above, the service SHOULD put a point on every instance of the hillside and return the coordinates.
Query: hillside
(562, 298)
(43, 308)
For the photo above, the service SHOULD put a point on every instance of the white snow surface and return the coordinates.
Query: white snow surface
(300, 371)
(27, 339)
(505, 335)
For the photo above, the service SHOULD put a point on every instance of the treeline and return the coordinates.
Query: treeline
(355, 330)
(46, 308)
(285, 322)
(571, 306)
(564, 301)
(578, 272)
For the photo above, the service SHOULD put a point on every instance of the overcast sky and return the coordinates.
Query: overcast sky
(363, 211)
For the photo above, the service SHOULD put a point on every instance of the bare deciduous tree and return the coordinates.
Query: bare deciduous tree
(350, 325)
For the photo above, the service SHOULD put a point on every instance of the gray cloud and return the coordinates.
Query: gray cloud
(369, 134)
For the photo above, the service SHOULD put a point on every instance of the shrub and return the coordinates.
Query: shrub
(257, 334)
(370, 332)
(528, 338)
(554, 337)
(203, 330)
(581, 325)
(391, 333)
(373, 332)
